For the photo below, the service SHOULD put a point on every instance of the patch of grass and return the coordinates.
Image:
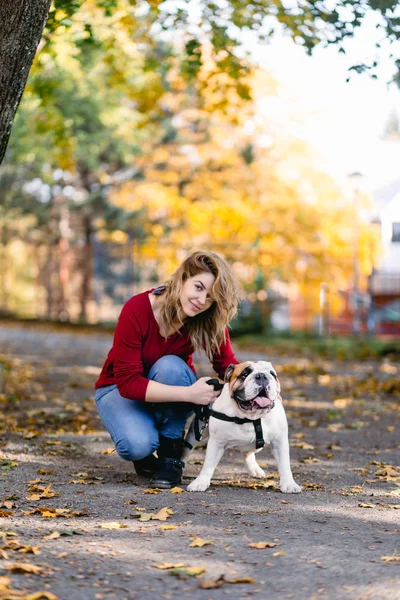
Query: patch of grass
(304, 344)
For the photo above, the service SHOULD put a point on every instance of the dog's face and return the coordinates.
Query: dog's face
(253, 385)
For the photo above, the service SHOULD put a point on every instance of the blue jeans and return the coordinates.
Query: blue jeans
(135, 426)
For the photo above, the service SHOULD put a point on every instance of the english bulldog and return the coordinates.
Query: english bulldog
(251, 397)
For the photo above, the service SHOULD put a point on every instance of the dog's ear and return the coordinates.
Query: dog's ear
(228, 372)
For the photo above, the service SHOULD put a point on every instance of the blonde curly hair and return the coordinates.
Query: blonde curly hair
(206, 330)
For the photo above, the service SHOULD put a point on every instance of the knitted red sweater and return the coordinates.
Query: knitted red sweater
(138, 344)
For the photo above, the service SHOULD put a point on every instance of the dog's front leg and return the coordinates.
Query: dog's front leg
(252, 465)
(213, 455)
(280, 450)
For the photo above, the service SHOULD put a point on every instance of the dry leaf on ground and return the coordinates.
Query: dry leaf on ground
(112, 525)
(185, 572)
(391, 559)
(211, 584)
(169, 566)
(241, 580)
(25, 568)
(199, 543)
(163, 514)
(261, 545)
(41, 596)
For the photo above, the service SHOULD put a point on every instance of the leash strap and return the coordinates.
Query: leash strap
(202, 414)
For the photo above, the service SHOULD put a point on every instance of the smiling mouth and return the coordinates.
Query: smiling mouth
(195, 305)
(260, 402)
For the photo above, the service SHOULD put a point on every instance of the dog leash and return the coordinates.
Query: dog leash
(203, 414)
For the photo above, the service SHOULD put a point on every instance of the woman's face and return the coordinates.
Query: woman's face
(195, 295)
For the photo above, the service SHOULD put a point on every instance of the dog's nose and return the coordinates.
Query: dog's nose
(261, 377)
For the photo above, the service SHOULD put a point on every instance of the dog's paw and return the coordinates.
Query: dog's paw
(257, 472)
(290, 487)
(199, 485)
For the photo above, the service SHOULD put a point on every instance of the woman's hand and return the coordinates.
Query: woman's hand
(201, 392)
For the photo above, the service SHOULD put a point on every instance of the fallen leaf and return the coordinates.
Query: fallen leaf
(41, 596)
(53, 513)
(199, 543)
(163, 514)
(241, 580)
(168, 527)
(390, 559)
(52, 536)
(184, 572)
(176, 490)
(152, 491)
(34, 497)
(278, 553)
(29, 550)
(261, 545)
(169, 566)
(6, 534)
(364, 505)
(212, 584)
(303, 445)
(25, 568)
(335, 427)
(145, 516)
(112, 525)
(108, 451)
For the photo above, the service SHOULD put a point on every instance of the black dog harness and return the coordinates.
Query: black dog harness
(203, 413)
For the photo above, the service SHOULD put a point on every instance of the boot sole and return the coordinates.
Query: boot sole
(164, 485)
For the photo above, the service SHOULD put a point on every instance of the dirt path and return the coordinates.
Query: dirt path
(77, 515)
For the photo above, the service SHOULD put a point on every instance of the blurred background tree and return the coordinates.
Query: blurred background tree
(187, 26)
(139, 137)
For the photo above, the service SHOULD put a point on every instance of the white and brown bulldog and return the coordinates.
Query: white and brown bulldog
(251, 392)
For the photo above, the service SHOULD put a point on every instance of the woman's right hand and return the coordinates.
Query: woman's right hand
(202, 393)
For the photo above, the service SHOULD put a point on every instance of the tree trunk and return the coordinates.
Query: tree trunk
(87, 269)
(21, 27)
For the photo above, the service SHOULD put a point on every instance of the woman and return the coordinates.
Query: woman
(148, 384)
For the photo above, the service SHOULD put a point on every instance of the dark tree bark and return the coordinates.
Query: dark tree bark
(21, 26)
(87, 268)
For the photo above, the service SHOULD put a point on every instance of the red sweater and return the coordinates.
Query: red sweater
(138, 344)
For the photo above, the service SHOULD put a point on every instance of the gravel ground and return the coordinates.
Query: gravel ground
(77, 524)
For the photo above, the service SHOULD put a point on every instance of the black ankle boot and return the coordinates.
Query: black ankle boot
(146, 467)
(170, 469)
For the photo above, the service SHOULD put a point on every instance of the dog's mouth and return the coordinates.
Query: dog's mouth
(260, 402)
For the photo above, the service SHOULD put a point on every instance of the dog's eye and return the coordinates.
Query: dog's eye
(244, 374)
(274, 374)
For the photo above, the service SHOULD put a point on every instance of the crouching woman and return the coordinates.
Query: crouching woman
(148, 385)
